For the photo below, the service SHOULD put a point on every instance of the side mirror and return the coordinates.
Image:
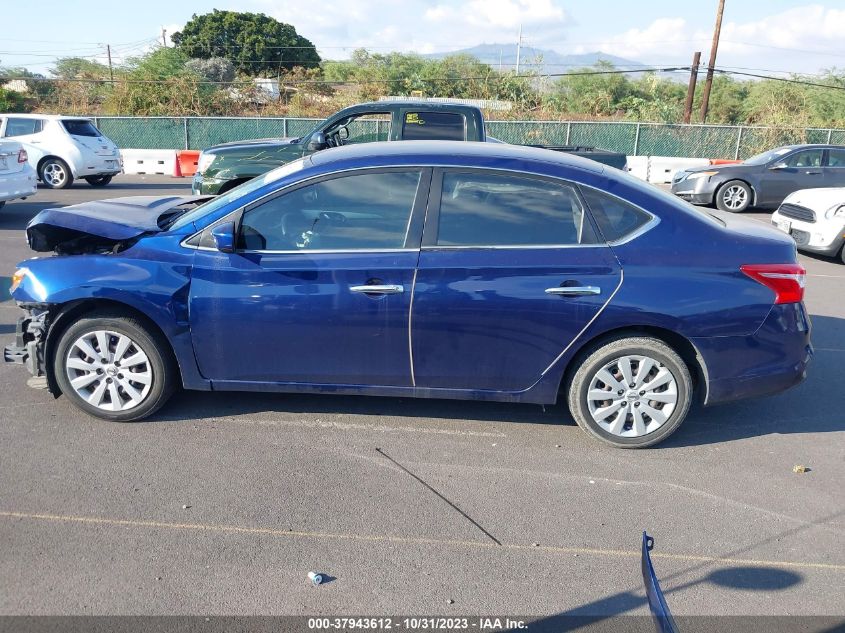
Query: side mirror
(343, 133)
(317, 142)
(781, 165)
(224, 237)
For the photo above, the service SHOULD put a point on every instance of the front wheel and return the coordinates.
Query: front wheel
(112, 366)
(98, 181)
(55, 173)
(734, 197)
(631, 392)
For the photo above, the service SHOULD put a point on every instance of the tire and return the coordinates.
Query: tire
(98, 181)
(621, 427)
(734, 196)
(2, 203)
(842, 255)
(55, 174)
(107, 382)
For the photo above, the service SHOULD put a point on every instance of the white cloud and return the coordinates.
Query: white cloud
(419, 25)
(814, 30)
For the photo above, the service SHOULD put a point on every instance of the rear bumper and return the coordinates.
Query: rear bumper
(769, 361)
(19, 185)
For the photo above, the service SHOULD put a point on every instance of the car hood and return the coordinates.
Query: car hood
(104, 224)
(258, 142)
(817, 199)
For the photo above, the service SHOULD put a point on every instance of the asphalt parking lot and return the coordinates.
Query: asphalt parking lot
(222, 503)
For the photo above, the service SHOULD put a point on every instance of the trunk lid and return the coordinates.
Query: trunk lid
(104, 225)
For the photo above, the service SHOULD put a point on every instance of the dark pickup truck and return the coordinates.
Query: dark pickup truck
(225, 166)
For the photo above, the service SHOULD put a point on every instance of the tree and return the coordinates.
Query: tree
(11, 101)
(255, 43)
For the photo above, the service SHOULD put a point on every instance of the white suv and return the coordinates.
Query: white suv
(62, 148)
(815, 218)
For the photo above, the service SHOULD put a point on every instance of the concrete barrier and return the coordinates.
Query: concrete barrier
(662, 168)
(149, 161)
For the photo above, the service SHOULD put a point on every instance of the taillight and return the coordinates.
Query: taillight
(786, 280)
(22, 157)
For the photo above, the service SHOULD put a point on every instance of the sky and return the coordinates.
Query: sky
(759, 35)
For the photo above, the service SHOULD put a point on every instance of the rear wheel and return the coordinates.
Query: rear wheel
(98, 181)
(631, 392)
(111, 366)
(734, 196)
(55, 173)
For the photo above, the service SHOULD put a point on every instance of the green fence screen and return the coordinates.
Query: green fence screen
(633, 139)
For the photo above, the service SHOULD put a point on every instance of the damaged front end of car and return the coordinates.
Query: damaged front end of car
(29, 346)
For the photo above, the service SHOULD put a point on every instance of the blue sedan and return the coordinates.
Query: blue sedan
(426, 269)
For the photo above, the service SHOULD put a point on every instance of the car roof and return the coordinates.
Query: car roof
(54, 117)
(462, 153)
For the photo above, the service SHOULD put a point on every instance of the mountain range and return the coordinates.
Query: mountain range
(542, 60)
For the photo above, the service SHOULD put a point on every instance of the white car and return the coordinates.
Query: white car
(815, 218)
(17, 177)
(63, 148)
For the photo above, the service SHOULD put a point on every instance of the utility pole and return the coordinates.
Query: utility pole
(705, 98)
(111, 70)
(693, 77)
(518, 48)
(164, 37)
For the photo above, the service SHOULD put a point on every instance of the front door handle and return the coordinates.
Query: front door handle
(813, 172)
(377, 289)
(573, 291)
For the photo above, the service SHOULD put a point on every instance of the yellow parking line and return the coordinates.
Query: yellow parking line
(385, 538)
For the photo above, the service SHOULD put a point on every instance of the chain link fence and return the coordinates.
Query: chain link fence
(632, 139)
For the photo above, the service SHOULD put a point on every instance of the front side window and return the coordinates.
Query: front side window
(808, 158)
(22, 127)
(355, 212)
(365, 128)
(433, 126)
(615, 217)
(486, 209)
(80, 127)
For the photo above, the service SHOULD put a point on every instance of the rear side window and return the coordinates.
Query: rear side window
(616, 218)
(478, 209)
(80, 127)
(836, 158)
(22, 127)
(433, 126)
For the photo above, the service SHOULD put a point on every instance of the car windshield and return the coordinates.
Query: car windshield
(767, 157)
(233, 194)
(80, 127)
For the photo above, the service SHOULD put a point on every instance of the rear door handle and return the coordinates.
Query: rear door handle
(813, 172)
(573, 291)
(376, 289)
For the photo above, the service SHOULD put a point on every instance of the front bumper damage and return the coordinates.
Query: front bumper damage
(30, 337)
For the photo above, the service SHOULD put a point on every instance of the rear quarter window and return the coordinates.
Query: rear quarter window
(616, 218)
(433, 126)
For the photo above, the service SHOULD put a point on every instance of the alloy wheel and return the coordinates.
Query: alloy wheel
(632, 396)
(109, 370)
(735, 197)
(54, 174)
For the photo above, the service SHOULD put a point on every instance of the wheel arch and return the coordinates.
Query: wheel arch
(743, 180)
(680, 344)
(66, 314)
(47, 157)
